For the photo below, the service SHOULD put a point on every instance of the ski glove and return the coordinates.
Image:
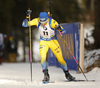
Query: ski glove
(58, 27)
(25, 23)
(28, 12)
(63, 31)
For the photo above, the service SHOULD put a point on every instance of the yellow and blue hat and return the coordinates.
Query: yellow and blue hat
(43, 16)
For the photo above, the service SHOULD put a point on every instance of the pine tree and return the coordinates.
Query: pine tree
(96, 32)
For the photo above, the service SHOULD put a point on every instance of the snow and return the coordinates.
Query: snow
(17, 75)
(91, 57)
(88, 30)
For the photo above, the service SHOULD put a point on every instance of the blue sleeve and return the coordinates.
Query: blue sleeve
(25, 23)
(63, 30)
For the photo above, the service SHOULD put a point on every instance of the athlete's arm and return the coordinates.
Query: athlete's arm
(55, 25)
(35, 22)
(32, 22)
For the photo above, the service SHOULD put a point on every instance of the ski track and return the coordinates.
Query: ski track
(17, 75)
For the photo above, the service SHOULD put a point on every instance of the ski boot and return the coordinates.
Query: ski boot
(46, 77)
(69, 76)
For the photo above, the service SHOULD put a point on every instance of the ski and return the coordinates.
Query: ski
(79, 80)
(84, 80)
(45, 82)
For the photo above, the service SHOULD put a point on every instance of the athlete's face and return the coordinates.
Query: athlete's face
(43, 22)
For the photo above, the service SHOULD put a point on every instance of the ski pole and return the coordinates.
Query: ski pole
(51, 4)
(28, 13)
(73, 56)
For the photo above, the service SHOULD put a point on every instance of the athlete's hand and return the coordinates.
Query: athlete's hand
(28, 11)
(25, 23)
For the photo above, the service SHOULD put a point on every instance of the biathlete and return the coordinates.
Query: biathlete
(48, 39)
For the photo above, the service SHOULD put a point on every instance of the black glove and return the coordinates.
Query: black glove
(28, 12)
(58, 28)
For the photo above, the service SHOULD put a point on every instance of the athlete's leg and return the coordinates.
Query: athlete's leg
(43, 53)
(43, 48)
(58, 53)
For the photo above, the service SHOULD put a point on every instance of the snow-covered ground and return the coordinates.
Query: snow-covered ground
(17, 75)
(91, 57)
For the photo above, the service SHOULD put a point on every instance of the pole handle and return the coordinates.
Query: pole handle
(51, 4)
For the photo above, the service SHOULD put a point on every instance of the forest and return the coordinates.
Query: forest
(13, 12)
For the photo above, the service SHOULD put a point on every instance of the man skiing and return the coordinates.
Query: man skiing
(48, 39)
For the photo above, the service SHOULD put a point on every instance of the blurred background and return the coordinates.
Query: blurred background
(16, 37)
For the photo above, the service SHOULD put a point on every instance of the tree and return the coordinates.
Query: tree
(6, 15)
(96, 32)
(67, 11)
